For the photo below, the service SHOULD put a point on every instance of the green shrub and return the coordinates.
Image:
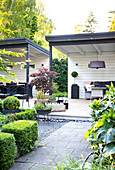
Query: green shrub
(60, 94)
(1, 103)
(74, 74)
(52, 98)
(25, 132)
(61, 67)
(41, 106)
(40, 95)
(7, 150)
(11, 103)
(102, 133)
(26, 114)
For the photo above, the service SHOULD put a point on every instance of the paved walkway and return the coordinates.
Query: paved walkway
(67, 140)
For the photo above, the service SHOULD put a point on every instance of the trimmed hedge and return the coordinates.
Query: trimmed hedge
(28, 114)
(25, 114)
(25, 132)
(11, 103)
(7, 150)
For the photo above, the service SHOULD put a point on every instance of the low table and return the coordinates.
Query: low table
(97, 92)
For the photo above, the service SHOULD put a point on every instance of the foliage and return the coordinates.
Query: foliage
(25, 114)
(25, 133)
(41, 106)
(89, 26)
(74, 74)
(7, 150)
(40, 95)
(11, 103)
(60, 94)
(69, 163)
(25, 19)
(112, 26)
(43, 79)
(1, 103)
(52, 98)
(61, 67)
(102, 133)
(5, 62)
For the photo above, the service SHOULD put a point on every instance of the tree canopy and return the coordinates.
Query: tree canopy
(26, 19)
(89, 25)
(112, 25)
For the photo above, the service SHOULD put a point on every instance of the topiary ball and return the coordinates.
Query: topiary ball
(74, 74)
(11, 103)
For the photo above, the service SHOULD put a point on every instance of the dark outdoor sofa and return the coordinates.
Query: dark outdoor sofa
(98, 84)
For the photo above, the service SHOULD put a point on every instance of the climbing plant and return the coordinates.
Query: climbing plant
(61, 67)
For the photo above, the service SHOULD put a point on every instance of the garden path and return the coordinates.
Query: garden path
(67, 140)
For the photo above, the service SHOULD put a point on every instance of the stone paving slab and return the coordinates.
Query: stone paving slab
(67, 140)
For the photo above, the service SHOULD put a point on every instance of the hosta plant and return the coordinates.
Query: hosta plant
(102, 133)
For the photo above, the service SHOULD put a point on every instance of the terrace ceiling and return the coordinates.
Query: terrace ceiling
(83, 44)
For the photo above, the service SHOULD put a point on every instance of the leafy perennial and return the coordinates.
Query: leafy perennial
(102, 133)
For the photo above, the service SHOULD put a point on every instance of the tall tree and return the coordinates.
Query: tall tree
(6, 62)
(89, 25)
(26, 19)
(112, 25)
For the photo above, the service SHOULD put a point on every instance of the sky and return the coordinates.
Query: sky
(67, 13)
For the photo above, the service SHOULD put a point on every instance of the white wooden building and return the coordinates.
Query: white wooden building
(37, 54)
(83, 48)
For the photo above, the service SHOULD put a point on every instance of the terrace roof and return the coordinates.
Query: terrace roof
(85, 43)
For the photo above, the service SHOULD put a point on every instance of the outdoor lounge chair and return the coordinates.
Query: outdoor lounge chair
(4, 92)
(19, 92)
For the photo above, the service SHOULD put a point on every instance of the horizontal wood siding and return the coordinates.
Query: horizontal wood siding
(21, 73)
(90, 74)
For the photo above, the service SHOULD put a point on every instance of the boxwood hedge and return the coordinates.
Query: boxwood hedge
(7, 150)
(25, 114)
(25, 132)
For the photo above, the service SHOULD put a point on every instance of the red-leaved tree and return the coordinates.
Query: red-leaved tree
(42, 79)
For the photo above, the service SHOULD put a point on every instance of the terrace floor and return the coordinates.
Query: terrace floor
(77, 108)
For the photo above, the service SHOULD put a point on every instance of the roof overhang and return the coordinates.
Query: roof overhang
(17, 44)
(84, 43)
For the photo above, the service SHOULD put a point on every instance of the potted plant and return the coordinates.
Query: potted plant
(43, 109)
(74, 87)
(52, 99)
(42, 80)
(11, 104)
(40, 97)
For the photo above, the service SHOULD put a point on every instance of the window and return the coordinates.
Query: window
(31, 66)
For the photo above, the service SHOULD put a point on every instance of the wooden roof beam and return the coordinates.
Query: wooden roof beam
(97, 49)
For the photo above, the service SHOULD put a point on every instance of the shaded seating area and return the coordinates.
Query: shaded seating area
(18, 90)
(4, 92)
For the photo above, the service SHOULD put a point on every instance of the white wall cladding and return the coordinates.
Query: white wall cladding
(21, 73)
(89, 74)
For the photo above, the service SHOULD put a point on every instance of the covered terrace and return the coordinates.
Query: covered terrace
(83, 48)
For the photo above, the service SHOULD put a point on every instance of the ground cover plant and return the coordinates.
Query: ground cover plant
(102, 133)
(25, 133)
(24, 114)
(7, 150)
(69, 163)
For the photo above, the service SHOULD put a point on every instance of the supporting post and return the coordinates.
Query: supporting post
(27, 74)
(50, 61)
(50, 53)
